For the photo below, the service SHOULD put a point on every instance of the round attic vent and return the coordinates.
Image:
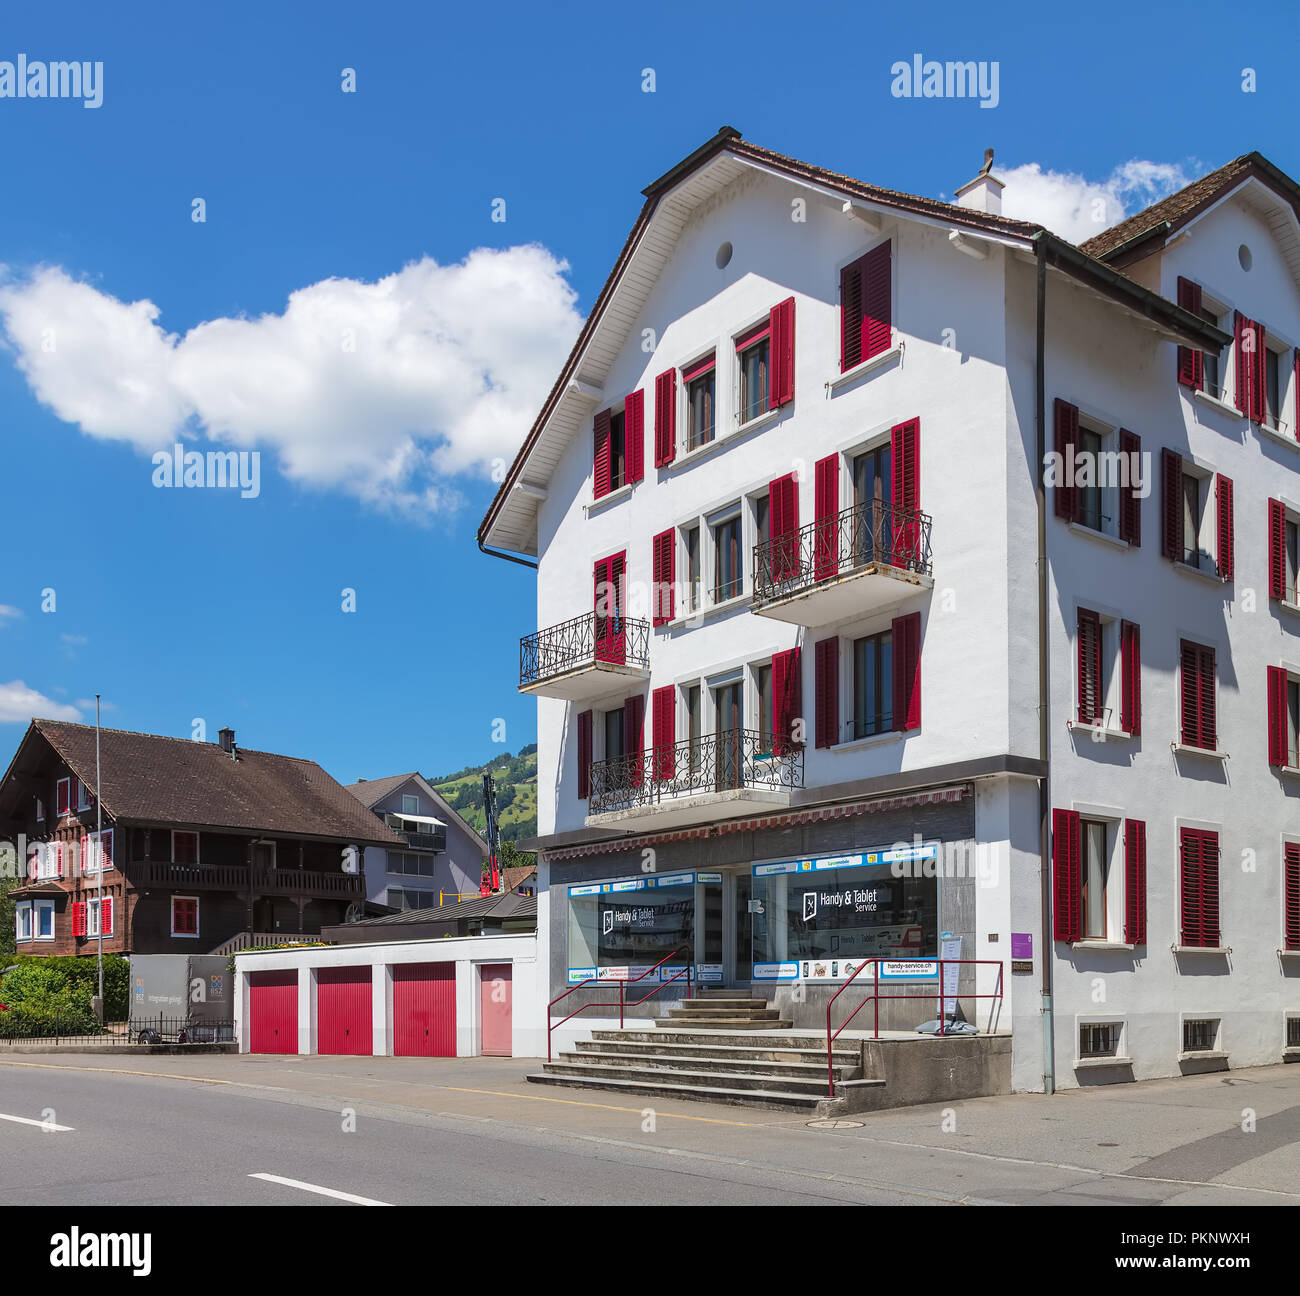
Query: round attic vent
(723, 258)
(1244, 257)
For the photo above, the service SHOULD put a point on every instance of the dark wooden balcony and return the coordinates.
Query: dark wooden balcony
(235, 877)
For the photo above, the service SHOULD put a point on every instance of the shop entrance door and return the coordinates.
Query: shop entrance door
(710, 947)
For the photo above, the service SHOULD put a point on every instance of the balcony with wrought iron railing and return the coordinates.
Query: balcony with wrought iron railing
(734, 772)
(866, 559)
(584, 657)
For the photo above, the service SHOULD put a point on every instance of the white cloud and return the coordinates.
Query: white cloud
(449, 366)
(88, 704)
(18, 703)
(1077, 208)
(9, 613)
(74, 639)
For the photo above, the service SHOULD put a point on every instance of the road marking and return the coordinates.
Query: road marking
(40, 1124)
(94, 1070)
(324, 1192)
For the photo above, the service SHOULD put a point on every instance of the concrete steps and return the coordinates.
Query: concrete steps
(719, 1010)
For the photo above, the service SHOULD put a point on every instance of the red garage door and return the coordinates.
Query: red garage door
(273, 1012)
(344, 1016)
(424, 1010)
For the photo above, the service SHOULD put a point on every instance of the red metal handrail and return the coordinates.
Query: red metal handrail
(622, 995)
(875, 997)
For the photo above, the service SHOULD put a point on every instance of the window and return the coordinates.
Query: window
(40, 810)
(185, 848)
(1200, 1035)
(1199, 888)
(1211, 361)
(1283, 718)
(92, 916)
(83, 796)
(617, 451)
(692, 539)
(865, 307)
(1193, 511)
(1095, 509)
(615, 748)
(1108, 673)
(23, 920)
(1099, 1039)
(1197, 518)
(62, 796)
(1293, 1032)
(753, 353)
(1095, 877)
(700, 382)
(619, 446)
(728, 576)
(411, 865)
(873, 494)
(43, 919)
(1197, 696)
(410, 804)
(1272, 389)
(100, 847)
(763, 516)
(1293, 722)
(873, 684)
(766, 716)
(663, 577)
(693, 722)
(185, 916)
(406, 899)
(610, 603)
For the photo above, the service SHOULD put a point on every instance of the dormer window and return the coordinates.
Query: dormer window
(410, 805)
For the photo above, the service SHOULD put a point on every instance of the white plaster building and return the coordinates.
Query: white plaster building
(787, 509)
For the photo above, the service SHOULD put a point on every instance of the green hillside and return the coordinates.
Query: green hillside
(516, 780)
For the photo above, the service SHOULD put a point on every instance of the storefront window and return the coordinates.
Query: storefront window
(631, 925)
(828, 920)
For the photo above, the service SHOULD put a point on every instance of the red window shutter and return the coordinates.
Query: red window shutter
(1135, 881)
(780, 370)
(1189, 358)
(826, 549)
(1130, 502)
(1277, 717)
(1171, 532)
(61, 796)
(787, 701)
(1089, 636)
(634, 435)
(664, 721)
(1241, 362)
(634, 737)
(1130, 649)
(905, 469)
(783, 526)
(1295, 387)
(663, 562)
(1209, 718)
(851, 315)
(907, 671)
(78, 918)
(877, 301)
(106, 915)
(584, 755)
(665, 418)
(600, 472)
(1199, 877)
(1199, 727)
(1067, 436)
(1291, 895)
(826, 663)
(1223, 517)
(1277, 549)
(1258, 369)
(1067, 889)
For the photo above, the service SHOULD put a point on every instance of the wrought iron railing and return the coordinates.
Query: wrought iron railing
(586, 640)
(874, 532)
(718, 762)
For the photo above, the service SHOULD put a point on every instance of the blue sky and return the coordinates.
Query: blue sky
(184, 604)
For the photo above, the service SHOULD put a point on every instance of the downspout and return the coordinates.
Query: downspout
(1044, 692)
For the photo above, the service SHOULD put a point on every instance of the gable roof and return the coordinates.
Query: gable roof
(415, 924)
(370, 792)
(510, 523)
(151, 778)
(1171, 214)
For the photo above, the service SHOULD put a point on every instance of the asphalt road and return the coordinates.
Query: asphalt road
(408, 1131)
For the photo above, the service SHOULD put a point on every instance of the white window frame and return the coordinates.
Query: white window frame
(1108, 436)
(58, 784)
(1216, 1048)
(39, 907)
(737, 422)
(40, 810)
(84, 800)
(1207, 537)
(709, 563)
(683, 448)
(92, 916)
(90, 865)
(407, 796)
(1113, 822)
(23, 923)
(1110, 622)
(198, 918)
(198, 843)
(1281, 352)
(1227, 355)
(1088, 1060)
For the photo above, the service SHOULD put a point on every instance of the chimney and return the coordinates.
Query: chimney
(984, 193)
(226, 737)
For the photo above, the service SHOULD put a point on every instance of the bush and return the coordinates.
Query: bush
(37, 986)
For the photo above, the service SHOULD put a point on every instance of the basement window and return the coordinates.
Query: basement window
(1200, 1034)
(1099, 1039)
